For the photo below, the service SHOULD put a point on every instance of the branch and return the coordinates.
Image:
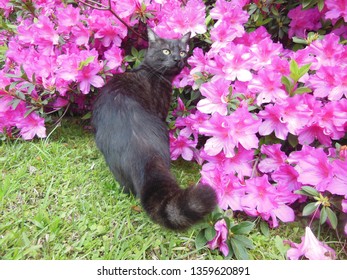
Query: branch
(99, 6)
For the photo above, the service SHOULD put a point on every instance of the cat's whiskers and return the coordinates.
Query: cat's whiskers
(156, 72)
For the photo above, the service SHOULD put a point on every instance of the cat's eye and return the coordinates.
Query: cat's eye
(166, 51)
(183, 54)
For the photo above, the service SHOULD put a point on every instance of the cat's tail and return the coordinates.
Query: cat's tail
(168, 204)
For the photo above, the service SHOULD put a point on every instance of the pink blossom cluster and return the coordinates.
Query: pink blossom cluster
(246, 68)
(64, 50)
(305, 20)
(262, 142)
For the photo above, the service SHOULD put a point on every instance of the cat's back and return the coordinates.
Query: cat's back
(131, 84)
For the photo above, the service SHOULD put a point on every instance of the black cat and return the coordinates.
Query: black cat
(131, 132)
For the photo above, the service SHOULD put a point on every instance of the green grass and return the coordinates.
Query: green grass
(58, 200)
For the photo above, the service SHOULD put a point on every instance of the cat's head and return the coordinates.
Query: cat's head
(167, 56)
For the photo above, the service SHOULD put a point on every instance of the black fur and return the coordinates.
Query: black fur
(131, 132)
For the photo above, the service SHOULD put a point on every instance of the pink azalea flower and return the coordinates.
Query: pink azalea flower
(267, 84)
(68, 17)
(231, 18)
(329, 81)
(108, 35)
(265, 51)
(198, 61)
(237, 60)
(228, 131)
(220, 240)
(311, 132)
(183, 79)
(8, 115)
(219, 127)
(223, 33)
(240, 165)
(189, 18)
(228, 188)
(81, 34)
(190, 124)
(216, 93)
(262, 199)
(60, 103)
(295, 113)
(338, 184)
(336, 9)
(231, 12)
(286, 175)
(311, 248)
(340, 114)
(6, 7)
(328, 51)
(344, 205)
(273, 121)
(299, 24)
(114, 57)
(253, 38)
(45, 35)
(275, 158)
(127, 8)
(67, 67)
(87, 77)
(182, 146)
(321, 124)
(32, 125)
(313, 167)
(332, 118)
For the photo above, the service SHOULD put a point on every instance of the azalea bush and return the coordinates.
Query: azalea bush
(261, 105)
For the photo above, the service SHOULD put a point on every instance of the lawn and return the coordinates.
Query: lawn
(58, 200)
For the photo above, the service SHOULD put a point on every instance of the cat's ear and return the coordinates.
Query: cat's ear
(185, 38)
(152, 37)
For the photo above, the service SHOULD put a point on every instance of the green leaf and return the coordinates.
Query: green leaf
(302, 90)
(20, 95)
(287, 83)
(294, 70)
(210, 233)
(274, 11)
(306, 4)
(293, 140)
(87, 116)
(309, 191)
(134, 52)
(264, 228)
(86, 62)
(323, 215)
(332, 217)
(28, 112)
(320, 5)
(299, 41)
(14, 103)
(239, 250)
(310, 208)
(280, 246)
(242, 228)
(129, 58)
(304, 69)
(246, 242)
(200, 240)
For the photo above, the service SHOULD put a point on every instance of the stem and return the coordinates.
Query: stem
(254, 170)
(31, 10)
(100, 6)
(62, 116)
(313, 217)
